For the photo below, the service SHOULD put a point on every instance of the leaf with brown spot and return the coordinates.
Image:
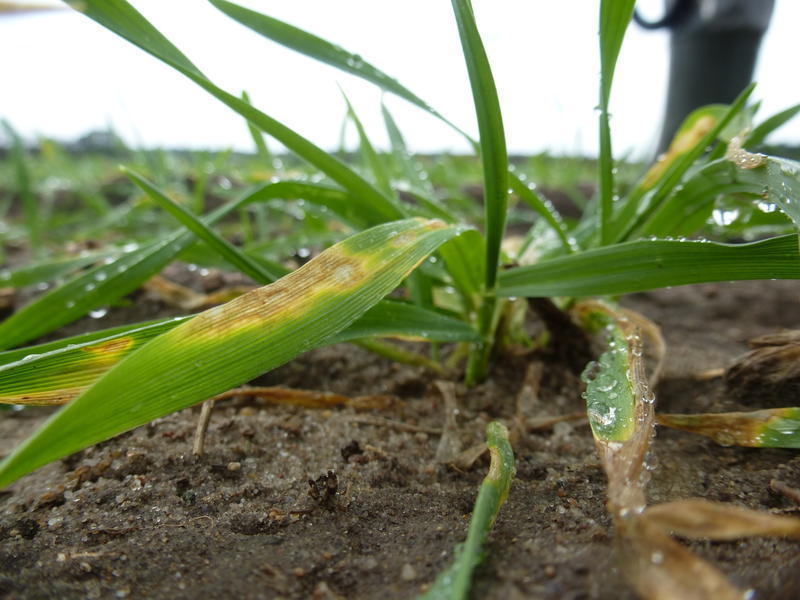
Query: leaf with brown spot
(228, 345)
(769, 428)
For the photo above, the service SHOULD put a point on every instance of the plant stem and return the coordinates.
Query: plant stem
(399, 355)
(478, 364)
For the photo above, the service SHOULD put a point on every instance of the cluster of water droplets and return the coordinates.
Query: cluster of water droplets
(604, 388)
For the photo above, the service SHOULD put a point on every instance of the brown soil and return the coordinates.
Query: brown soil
(140, 517)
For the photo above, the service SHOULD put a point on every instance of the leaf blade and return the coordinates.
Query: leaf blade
(230, 344)
(644, 265)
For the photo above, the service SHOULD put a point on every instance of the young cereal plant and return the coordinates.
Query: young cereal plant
(115, 380)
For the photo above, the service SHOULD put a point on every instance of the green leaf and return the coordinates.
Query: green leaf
(614, 18)
(371, 159)
(650, 264)
(417, 179)
(57, 372)
(397, 319)
(494, 155)
(762, 130)
(638, 207)
(121, 18)
(464, 258)
(230, 344)
(106, 283)
(24, 187)
(10, 356)
(258, 138)
(775, 180)
(454, 583)
(326, 52)
(544, 208)
(609, 395)
(48, 270)
(225, 249)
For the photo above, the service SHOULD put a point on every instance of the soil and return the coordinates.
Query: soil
(140, 517)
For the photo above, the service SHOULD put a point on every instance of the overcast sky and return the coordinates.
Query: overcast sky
(62, 75)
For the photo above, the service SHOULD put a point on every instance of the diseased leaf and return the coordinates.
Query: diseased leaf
(106, 283)
(58, 372)
(228, 345)
(697, 519)
(769, 428)
(660, 568)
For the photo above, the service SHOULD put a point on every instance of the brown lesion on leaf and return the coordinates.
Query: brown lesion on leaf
(332, 272)
(43, 398)
(727, 429)
(111, 348)
(681, 144)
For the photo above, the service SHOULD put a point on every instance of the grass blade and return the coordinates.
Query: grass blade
(230, 344)
(494, 155)
(418, 180)
(371, 159)
(762, 130)
(48, 270)
(11, 356)
(544, 208)
(764, 178)
(631, 216)
(646, 265)
(258, 138)
(769, 428)
(30, 204)
(454, 583)
(121, 18)
(223, 247)
(614, 18)
(464, 258)
(57, 372)
(398, 319)
(315, 47)
(59, 375)
(107, 283)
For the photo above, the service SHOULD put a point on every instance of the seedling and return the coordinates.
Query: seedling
(115, 380)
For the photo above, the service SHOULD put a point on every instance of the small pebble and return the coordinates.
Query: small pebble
(234, 466)
(408, 573)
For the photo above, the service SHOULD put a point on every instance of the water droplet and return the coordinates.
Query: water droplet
(657, 557)
(130, 247)
(89, 287)
(100, 276)
(724, 218)
(98, 313)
